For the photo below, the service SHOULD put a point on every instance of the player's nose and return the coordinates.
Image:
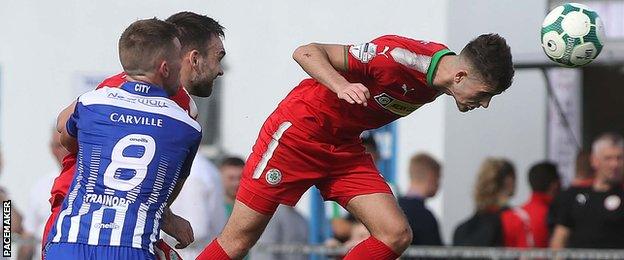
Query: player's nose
(485, 103)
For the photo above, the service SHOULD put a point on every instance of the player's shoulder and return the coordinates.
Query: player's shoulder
(408, 43)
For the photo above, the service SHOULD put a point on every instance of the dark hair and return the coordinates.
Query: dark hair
(233, 161)
(490, 56)
(195, 30)
(542, 175)
(368, 141)
(143, 42)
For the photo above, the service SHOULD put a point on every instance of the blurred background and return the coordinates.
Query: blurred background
(52, 51)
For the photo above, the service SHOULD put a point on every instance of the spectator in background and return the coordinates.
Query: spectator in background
(424, 172)
(231, 169)
(527, 226)
(286, 227)
(201, 203)
(593, 217)
(38, 209)
(495, 186)
(583, 177)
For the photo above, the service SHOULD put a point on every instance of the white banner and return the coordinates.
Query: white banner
(562, 143)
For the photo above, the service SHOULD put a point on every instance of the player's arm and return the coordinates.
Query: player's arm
(322, 62)
(175, 225)
(67, 118)
(560, 237)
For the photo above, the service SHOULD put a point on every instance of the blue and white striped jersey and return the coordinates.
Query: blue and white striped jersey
(134, 146)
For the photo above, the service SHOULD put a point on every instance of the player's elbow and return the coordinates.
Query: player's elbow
(69, 142)
(304, 51)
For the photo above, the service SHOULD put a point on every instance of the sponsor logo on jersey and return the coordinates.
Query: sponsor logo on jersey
(273, 176)
(106, 225)
(364, 52)
(406, 89)
(418, 62)
(396, 106)
(138, 120)
(145, 101)
(107, 200)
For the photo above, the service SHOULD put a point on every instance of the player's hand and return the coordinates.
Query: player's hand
(179, 228)
(354, 93)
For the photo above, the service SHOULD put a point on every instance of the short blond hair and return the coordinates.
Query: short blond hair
(422, 163)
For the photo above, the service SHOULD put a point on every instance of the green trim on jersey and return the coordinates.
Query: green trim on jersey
(346, 58)
(433, 66)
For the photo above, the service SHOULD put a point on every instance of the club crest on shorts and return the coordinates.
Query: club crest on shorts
(273, 176)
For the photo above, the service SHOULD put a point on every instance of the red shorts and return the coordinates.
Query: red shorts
(287, 159)
(59, 191)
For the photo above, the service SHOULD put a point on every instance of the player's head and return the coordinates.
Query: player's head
(607, 158)
(150, 49)
(484, 70)
(544, 177)
(495, 183)
(231, 169)
(202, 51)
(424, 173)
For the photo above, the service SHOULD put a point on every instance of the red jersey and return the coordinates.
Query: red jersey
(527, 226)
(398, 73)
(63, 181)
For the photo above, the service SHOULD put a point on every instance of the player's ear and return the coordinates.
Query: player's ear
(194, 58)
(459, 76)
(163, 69)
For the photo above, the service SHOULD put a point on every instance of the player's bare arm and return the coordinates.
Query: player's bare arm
(559, 237)
(322, 62)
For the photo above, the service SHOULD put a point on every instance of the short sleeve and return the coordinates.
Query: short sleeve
(72, 122)
(376, 58)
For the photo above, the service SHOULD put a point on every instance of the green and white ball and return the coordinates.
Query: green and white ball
(572, 35)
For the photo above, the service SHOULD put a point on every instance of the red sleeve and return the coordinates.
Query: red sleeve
(376, 58)
(513, 230)
(113, 81)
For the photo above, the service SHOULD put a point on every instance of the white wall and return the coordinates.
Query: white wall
(514, 126)
(45, 45)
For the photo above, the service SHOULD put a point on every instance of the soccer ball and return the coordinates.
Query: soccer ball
(572, 35)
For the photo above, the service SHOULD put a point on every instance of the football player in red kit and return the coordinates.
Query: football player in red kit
(312, 138)
(203, 51)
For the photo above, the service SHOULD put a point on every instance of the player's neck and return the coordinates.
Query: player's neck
(443, 78)
(144, 79)
(601, 185)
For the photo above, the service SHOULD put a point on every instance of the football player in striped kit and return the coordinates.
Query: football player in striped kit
(135, 147)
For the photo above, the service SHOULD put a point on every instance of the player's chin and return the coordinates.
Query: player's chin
(204, 90)
(463, 109)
